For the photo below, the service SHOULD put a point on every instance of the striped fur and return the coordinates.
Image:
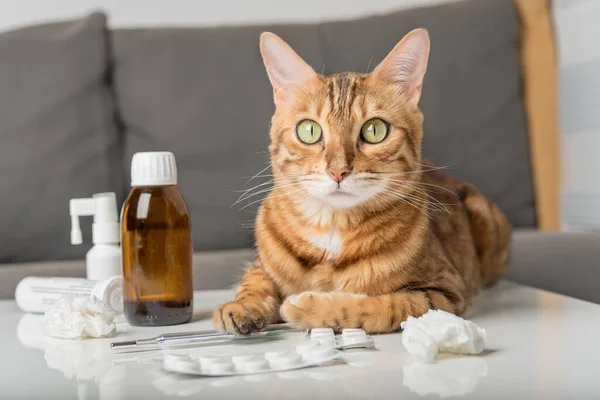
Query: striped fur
(420, 239)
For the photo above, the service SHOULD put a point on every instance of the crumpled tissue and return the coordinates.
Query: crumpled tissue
(439, 331)
(78, 318)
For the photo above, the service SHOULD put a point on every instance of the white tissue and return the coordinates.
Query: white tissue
(78, 318)
(439, 331)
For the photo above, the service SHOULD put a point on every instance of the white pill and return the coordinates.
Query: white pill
(205, 360)
(327, 342)
(322, 336)
(242, 358)
(355, 340)
(320, 353)
(220, 367)
(254, 365)
(271, 355)
(305, 346)
(287, 360)
(320, 332)
(181, 365)
(353, 332)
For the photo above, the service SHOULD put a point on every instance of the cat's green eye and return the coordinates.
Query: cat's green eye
(309, 131)
(374, 131)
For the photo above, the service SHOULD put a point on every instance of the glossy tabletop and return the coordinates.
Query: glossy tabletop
(540, 346)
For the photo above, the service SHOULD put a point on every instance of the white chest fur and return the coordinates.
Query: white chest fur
(330, 242)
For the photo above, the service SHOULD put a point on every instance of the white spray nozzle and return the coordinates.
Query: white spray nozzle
(103, 206)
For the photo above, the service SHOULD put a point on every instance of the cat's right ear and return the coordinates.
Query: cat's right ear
(406, 64)
(287, 70)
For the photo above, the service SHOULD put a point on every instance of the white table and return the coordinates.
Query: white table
(541, 345)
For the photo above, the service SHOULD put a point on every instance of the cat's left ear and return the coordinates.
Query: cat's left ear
(286, 69)
(406, 64)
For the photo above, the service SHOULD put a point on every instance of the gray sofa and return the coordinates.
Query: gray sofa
(79, 99)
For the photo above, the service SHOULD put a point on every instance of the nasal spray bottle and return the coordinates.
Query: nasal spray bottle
(103, 260)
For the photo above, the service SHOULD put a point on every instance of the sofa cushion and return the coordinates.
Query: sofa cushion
(57, 134)
(203, 94)
(565, 263)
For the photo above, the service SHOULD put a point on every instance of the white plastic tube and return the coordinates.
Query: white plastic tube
(38, 294)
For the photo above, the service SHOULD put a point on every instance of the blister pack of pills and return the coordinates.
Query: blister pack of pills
(322, 348)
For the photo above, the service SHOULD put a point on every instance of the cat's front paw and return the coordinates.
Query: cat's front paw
(336, 310)
(308, 307)
(240, 317)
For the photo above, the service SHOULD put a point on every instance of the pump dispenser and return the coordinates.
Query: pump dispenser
(103, 260)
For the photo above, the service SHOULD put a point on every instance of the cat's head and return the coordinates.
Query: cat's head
(348, 139)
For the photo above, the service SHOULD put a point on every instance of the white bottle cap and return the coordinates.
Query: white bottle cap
(153, 169)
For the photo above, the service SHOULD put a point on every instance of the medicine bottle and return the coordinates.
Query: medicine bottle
(156, 245)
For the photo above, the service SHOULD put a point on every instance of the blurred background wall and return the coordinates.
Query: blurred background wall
(577, 31)
(133, 13)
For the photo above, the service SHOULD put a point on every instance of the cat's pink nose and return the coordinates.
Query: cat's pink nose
(338, 174)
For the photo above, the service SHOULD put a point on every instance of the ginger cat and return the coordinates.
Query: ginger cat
(358, 231)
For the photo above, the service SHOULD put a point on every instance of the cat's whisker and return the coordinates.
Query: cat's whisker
(423, 203)
(369, 65)
(241, 199)
(279, 195)
(441, 166)
(381, 204)
(433, 203)
(245, 197)
(297, 174)
(260, 172)
(424, 193)
(412, 186)
(254, 187)
(410, 203)
(417, 171)
(424, 184)
(247, 192)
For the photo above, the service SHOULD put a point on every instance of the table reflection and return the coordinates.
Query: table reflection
(89, 362)
(449, 376)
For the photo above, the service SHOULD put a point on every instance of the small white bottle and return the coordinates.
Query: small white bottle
(103, 260)
(38, 294)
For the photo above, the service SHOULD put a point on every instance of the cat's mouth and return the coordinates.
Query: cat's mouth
(340, 193)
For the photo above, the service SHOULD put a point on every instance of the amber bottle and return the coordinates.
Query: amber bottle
(156, 245)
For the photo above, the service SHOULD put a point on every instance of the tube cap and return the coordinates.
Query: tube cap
(153, 169)
(110, 291)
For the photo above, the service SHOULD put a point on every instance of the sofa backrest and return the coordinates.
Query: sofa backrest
(69, 129)
(58, 136)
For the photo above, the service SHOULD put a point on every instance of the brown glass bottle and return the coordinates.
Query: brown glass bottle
(157, 256)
